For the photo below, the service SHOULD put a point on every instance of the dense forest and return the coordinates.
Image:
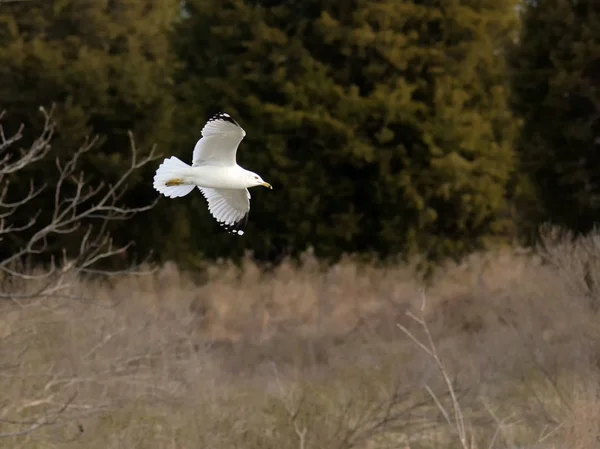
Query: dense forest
(387, 128)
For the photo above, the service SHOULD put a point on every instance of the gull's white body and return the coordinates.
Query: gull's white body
(215, 172)
(217, 177)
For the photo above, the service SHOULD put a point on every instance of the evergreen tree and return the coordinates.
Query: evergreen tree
(383, 125)
(556, 75)
(108, 67)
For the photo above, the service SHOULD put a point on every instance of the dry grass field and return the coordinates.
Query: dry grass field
(500, 351)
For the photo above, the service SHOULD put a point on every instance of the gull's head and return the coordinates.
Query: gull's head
(256, 180)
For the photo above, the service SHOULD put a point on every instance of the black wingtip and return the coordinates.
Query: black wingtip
(237, 228)
(223, 116)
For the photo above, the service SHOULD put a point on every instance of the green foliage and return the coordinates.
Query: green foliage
(108, 68)
(383, 125)
(557, 91)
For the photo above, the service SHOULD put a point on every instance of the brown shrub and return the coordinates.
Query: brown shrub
(309, 356)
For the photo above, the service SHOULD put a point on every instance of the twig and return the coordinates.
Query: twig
(292, 412)
(35, 425)
(457, 423)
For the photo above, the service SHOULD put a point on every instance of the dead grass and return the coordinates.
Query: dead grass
(305, 357)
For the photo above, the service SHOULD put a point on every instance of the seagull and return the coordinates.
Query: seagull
(215, 172)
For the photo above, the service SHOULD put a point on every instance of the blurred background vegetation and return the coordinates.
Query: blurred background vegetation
(388, 128)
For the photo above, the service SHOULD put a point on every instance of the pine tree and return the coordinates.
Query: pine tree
(107, 66)
(383, 125)
(556, 78)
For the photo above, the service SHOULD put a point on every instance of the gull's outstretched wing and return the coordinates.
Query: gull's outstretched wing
(230, 207)
(219, 142)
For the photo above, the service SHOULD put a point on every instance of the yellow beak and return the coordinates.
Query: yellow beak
(266, 184)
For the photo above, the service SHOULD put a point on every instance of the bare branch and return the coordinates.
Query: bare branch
(429, 347)
(78, 204)
(37, 151)
(32, 426)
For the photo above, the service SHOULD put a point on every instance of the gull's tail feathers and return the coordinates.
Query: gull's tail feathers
(169, 180)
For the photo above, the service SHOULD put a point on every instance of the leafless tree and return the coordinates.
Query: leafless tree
(77, 203)
(79, 208)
